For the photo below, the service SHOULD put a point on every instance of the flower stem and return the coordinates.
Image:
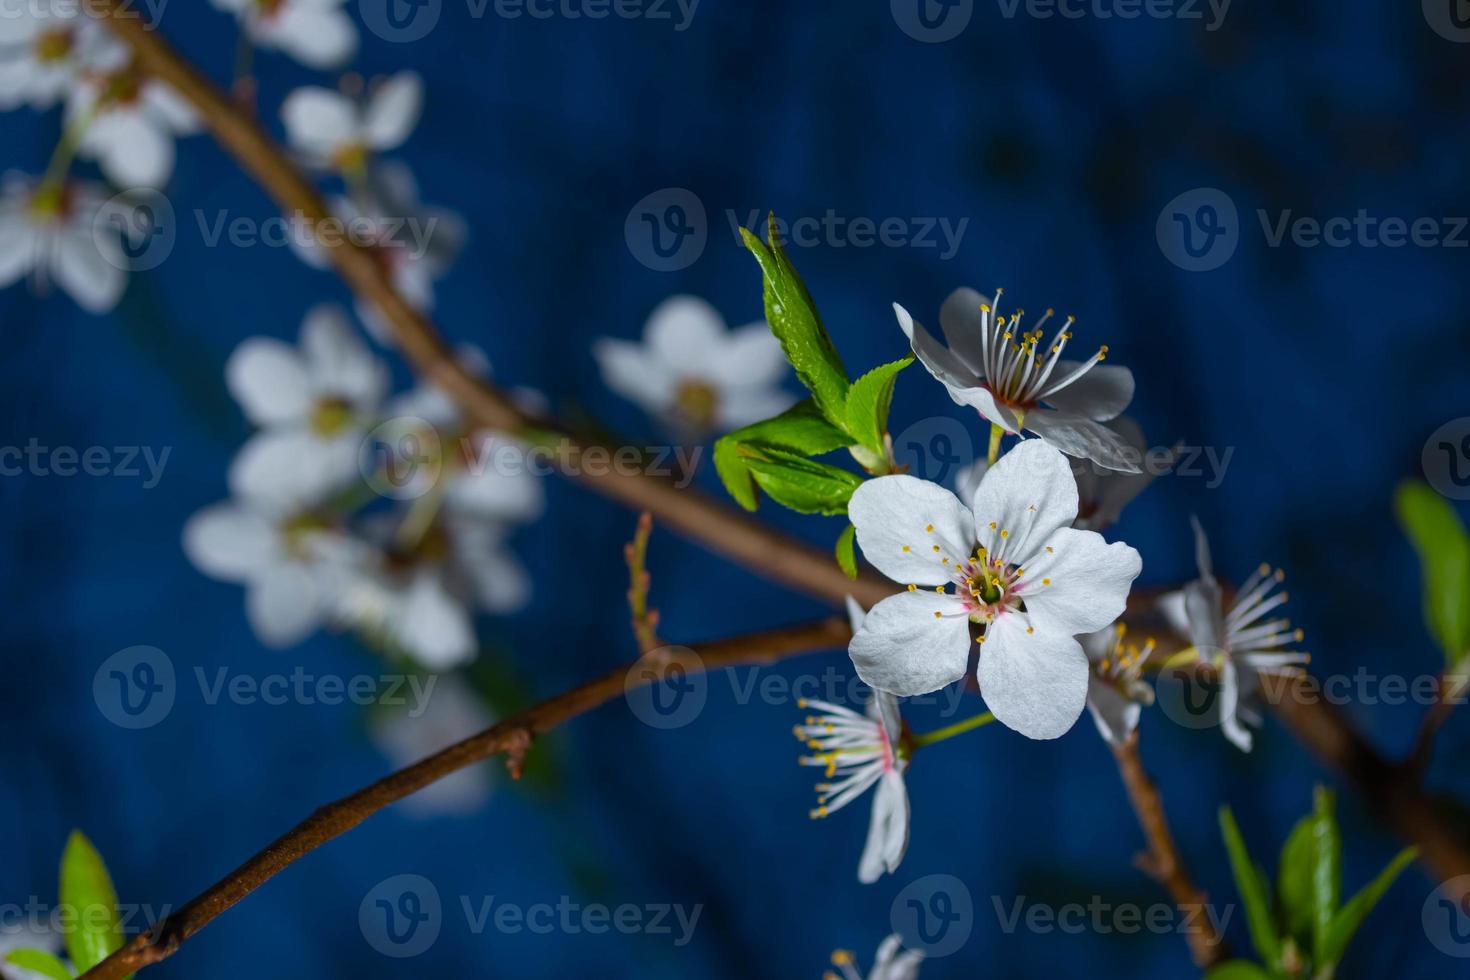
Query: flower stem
(996, 432)
(958, 728)
(66, 150)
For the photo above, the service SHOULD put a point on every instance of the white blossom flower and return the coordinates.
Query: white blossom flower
(416, 243)
(317, 33)
(1010, 378)
(313, 404)
(695, 374)
(1116, 690)
(43, 47)
(52, 233)
(130, 123)
(1019, 570)
(333, 131)
(858, 752)
(455, 712)
(1238, 641)
(296, 567)
(891, 963)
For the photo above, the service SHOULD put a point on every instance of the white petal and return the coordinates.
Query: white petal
(905, 649)
(1204, 616)
(132, 149)
(283, 605)
(1035, 683)
(228, 542)
(393, 110)
(1081, 585)
(945, 365)
(1230, 723)
(434, 626)
(967, 481)
(738, 407)
(751, 356)
(1202, 550)
(687, 334)
(1029, 493)
(339, 362)
(892, 515)
(982, 401)
(499, 581)
(19, 243)
(87, 275)
(1108, 491)
(1101, 394)
(1083, 438)
(963, 325)
(319, 120)
(1115, 716)
(289, 468)
(317, 37)
(268, 379)
(493, 489)
(888, 829)
(631, 371)
(855, 613)
(168, 109)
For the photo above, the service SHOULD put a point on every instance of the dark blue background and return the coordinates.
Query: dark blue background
(1325, 369)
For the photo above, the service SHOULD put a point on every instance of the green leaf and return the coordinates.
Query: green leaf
(1238, 970)
(1310, 880)
(868, 402)
(795, 322)
(846, 557)
(39, 961)
(86, 889)
(1444, 557)
(1351, 915)
(801, 429)
(805, 486)
(1255, 893)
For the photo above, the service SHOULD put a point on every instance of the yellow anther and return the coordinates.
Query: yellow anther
(936, 547)
(929, 528)
(1046, 581)
(937, 614)
(913, 588)
(905, 549)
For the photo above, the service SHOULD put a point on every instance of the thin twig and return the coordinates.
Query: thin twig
(337, 818)
(1161, 861)
(1449, 692)
(635, 552)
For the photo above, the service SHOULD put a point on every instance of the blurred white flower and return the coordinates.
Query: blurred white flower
(1018, 568)
(1235, 641)
(333, 131)
(891, 963)
(52, 233)
(130, 123)
(1116, 691)
(416, 243)
(317, 33)
(296, 567)
(43, 47)
(454, 713)
(313, 403)
(694, 373)
(1005, 374)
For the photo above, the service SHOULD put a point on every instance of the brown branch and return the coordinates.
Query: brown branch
(511, 735)
(1162, 862)
(635, 552)
(693, 514)
(1449, 691)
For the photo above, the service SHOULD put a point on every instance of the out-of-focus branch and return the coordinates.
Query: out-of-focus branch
(1162, 862)
(513, 735)
(721, 528)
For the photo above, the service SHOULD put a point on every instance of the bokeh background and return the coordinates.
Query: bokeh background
(1060, 142)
